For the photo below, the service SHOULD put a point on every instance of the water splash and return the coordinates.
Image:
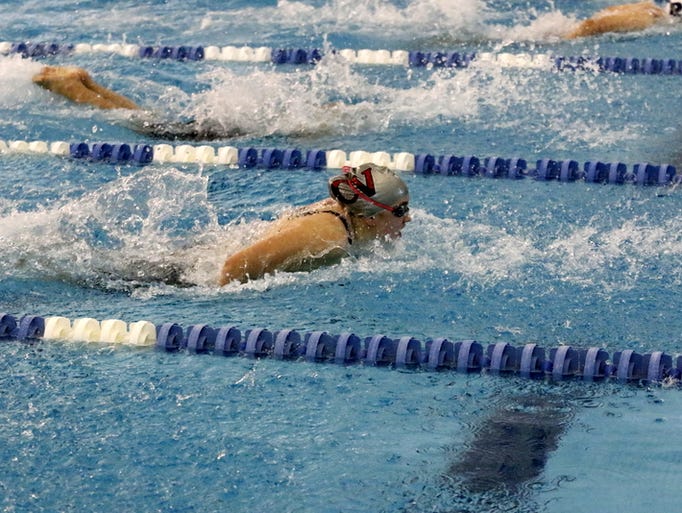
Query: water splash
(130, 230)
(329, 99)
(15, 75)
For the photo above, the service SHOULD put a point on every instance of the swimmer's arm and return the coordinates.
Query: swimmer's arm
(78, 86)
(117, 101)
(286, 248)
(620, 18)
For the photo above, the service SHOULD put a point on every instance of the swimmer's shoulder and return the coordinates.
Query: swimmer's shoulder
(325, 219)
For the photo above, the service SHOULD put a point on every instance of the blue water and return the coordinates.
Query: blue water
(88, 426)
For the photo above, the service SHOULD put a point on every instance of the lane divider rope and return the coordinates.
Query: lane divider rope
(301, 56)
(440, 354)
(616, 173)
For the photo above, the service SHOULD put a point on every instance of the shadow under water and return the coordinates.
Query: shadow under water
(509, 450)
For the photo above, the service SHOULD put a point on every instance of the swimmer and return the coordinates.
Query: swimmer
(366, 204)
(627, 18)
(77, 85)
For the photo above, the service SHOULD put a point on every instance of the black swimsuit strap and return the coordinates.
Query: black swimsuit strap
(341, 217)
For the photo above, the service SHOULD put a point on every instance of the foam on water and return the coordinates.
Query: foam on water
(108, 233)
(331, 98)
(547, 27)
(15, 76)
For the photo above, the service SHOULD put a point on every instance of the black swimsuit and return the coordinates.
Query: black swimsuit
(154, 126)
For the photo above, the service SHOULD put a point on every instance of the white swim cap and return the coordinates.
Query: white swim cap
(368, 189)
(675, 8)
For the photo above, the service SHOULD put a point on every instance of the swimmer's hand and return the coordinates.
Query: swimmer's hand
(61, 79)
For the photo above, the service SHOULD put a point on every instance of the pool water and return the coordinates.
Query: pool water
(88, 425)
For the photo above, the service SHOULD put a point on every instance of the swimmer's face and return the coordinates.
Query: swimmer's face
(390, 224)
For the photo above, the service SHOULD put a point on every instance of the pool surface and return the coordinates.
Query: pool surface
(521, 261)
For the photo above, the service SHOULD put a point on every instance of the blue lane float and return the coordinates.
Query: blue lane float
(275, 158)
(318, 346)
(28, 327)
(287, 344)
(436, 355)
(296, 55)
(113, 153)
(177, 53)
(616, 173)
(438, 59)
(624, 65)
(408, 353)
(502, 357)
(39, 50)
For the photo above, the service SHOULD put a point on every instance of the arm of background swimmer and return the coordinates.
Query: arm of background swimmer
(627, 18)
(117, 101)
(290, 245)
(77, 86)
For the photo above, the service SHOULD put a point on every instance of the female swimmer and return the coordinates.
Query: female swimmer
(366, 203)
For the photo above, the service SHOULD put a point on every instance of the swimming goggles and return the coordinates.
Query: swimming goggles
(398, 211)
